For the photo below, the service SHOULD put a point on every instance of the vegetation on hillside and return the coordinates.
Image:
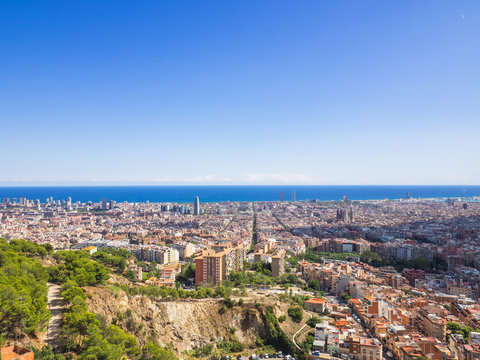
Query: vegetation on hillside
(23, 302)
(276, 336)
(23, 288)
(77, 266)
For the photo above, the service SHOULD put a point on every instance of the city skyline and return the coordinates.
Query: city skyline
(277, 93)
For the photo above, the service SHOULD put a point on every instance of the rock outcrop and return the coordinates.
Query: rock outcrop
(182, 324)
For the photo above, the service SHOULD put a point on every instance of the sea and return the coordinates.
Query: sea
(217, 193)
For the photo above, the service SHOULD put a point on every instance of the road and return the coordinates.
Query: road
(55, 305)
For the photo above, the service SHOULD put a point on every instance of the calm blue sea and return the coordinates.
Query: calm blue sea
(232, 193)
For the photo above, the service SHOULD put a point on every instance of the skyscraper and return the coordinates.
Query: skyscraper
(281, 196)
(196, 206)
(104, 204)
(293, 195)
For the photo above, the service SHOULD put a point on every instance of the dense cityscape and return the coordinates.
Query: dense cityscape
(383, 279)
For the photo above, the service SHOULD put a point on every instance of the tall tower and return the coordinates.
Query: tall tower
(281, 196)
(293, 196)
(196, 206)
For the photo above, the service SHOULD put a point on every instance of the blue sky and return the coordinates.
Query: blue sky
(239, 92)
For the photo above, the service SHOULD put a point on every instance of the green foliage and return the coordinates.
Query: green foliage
(300, 299)
(114, 258)
(260, 273)
(187, 273)
(167, 293)
(204, 351)
(376, 260)
(308, 343)
(457, 329)
(130, 275)
(314, 284)
(23, 288)
(231, 344)
(77, 266)
(30, 248)
(296, 313)
(317, 257)
(229, 302)
(46, 353)
(152, 351)
(282, 318)
(345, 297)
(220, 291)
(313, 321)
(259, 342)
(276, 336)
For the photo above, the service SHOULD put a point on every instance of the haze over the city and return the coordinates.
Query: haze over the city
(214, 92)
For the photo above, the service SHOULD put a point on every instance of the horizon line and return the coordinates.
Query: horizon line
(225, 185)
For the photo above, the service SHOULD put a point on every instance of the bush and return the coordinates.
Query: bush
(229, 302)
(314, 284)
(203, 351)
(313, 321)
(296, 313)
(282, 318)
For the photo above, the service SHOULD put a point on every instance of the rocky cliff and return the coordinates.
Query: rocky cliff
(182, 324)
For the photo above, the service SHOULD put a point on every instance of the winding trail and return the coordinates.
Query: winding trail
(55, 305)
(300, 330)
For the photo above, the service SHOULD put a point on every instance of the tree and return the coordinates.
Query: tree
(313, 321)
(152, 351)
(296, 313)
(314, 284)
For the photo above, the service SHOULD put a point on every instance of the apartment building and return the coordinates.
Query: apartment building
(213, 267)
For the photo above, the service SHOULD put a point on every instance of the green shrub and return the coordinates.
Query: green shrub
(296, 313)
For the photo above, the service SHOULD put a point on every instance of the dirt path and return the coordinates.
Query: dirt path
(55, 305)
(299, 330)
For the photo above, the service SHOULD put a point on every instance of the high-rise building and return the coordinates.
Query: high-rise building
(282, 197)
(293, 196)
(209, 268)
(196, 206)
(104, 204)
(213, 267)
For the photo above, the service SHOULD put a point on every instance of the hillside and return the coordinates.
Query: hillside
(181, 324)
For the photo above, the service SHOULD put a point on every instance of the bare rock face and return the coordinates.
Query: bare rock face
(183, 324)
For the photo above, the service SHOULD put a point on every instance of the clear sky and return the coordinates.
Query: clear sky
(239, 92)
